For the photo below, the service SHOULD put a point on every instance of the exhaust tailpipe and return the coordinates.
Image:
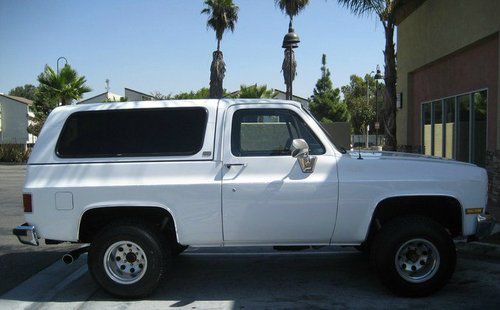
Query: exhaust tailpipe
(71, 256)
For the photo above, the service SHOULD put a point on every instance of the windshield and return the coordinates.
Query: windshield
(340, 148)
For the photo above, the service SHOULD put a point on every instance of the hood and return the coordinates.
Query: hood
(372, 155)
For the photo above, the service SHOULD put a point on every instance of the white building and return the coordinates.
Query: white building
(130, 95)
(14, 120)
(134, 95)
(104, 97)
(279, 94)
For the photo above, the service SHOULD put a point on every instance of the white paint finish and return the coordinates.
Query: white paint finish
(365, 183)
(64, 201)
(190, 191)
(14, 121)
(271, 201)
(44, 150)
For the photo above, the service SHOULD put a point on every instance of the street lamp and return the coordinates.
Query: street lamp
(378, 76)
(64, 58)
(290, 41)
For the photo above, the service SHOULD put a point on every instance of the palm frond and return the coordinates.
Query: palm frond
(222, 15)
(361, 7)
(291, 7)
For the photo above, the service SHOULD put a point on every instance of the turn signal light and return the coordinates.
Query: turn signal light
(28, 208)
(473, 211)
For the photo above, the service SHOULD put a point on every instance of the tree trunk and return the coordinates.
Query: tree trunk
(218, 45)
(217, 73)
(389, 111)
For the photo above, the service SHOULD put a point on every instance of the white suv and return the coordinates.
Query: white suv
(141, 181)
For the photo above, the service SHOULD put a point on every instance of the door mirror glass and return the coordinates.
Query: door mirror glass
(299, 148)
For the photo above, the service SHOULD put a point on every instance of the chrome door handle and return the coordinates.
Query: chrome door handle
(230, 165)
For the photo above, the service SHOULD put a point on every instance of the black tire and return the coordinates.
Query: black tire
(154, 246)
(393, 236)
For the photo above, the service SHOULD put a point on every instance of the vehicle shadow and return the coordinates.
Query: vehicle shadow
(330, 279)
(18, 263)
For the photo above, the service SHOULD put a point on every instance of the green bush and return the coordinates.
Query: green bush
(14, 153)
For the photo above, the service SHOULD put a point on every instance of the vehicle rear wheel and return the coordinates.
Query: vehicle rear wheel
(129, 259)
(413, 256)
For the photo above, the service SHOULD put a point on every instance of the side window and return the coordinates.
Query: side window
(270, 132)
(133, 132)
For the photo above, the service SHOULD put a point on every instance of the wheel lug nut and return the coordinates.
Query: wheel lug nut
(122, 267)
(118, 258)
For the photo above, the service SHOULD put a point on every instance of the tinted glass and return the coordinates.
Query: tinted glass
(438, 128)
(270, 132)
(449, 105)
(463, 127)
(426, 130)
(133, 132)
(480, 110)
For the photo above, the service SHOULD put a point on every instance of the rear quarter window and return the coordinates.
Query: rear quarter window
(133, 132)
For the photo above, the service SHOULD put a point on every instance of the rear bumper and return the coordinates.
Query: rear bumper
(485, 225)
(26, 234)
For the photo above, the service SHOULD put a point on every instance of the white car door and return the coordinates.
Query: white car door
(266, 197)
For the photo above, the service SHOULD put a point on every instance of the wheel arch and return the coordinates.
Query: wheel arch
(433, 206)
(94, 217)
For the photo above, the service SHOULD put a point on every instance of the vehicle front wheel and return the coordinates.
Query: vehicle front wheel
(413, 256)
(128, 259)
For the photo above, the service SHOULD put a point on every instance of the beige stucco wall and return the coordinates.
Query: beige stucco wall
(436, 29)
(14, 122)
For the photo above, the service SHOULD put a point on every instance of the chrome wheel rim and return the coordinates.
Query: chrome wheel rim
(417, 260)
(125, 262)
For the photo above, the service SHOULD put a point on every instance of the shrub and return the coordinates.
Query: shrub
(14, 153)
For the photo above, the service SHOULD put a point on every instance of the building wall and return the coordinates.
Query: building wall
(435, 30)
(133, 95)
(445, 48)
(14, 122)
(474, 68)
(104, 97)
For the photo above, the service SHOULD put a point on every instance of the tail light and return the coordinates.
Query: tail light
(27, 203)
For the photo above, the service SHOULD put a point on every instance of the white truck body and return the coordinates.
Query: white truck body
(218, 199)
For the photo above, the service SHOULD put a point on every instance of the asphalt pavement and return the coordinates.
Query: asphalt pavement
(18, 262)
(224, 278)
(247, 278)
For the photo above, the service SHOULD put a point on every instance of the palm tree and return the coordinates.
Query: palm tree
(222, 15)
(255, 91)
(65, 85)
(386, 11)
(291, 8)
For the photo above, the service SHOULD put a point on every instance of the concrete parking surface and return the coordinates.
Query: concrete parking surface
(235, 278)
(240, 279)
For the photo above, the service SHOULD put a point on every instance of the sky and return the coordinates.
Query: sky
(164, 45)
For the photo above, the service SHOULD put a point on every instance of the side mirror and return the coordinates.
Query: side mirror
(299, 148)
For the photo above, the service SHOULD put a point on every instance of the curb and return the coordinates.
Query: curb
(482, 249)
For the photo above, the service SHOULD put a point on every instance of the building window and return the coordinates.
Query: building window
(455, 127)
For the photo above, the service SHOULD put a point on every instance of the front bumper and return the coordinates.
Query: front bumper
(485, 225)
(26, 234)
